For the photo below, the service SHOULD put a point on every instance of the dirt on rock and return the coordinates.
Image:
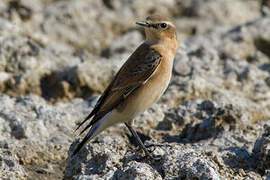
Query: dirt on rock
(57, 57)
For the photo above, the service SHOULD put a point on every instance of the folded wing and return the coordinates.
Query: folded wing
(137, 70)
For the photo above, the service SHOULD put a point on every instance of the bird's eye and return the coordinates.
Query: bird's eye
(163, 25)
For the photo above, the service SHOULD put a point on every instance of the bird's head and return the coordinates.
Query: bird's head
(158, 28)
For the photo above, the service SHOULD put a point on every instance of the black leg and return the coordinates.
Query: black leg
(137, 138)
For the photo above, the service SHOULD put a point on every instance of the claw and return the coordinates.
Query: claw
(154, 157)
(148, 145)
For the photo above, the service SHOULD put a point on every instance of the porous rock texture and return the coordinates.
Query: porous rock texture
(57, 56)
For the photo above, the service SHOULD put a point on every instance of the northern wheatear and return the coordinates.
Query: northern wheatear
(139, 83)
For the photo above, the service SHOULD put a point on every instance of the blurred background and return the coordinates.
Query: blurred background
(64, 49)
(57, 56)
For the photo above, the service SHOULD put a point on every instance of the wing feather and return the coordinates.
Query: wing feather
(135, 72)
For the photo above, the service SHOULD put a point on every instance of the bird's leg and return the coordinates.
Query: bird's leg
(140, 143)
(148, 145)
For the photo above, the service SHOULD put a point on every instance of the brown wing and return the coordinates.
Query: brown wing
(135, 71)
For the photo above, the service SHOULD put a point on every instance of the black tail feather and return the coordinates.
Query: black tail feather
(80, 145)
(86, 138)
(88, 117)
(85, 128)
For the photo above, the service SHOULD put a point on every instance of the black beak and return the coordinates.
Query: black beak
(143, 23)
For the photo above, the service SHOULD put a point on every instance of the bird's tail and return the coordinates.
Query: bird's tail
(96, 128)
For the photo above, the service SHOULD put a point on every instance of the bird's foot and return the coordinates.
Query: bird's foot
(153, 157)
(149, 152)
(154, 145)
(149, 155)
(149, 145)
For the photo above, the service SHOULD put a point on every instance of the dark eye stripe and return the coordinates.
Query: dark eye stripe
(154, 26)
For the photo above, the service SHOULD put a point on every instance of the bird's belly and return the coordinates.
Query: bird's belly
(144, 96)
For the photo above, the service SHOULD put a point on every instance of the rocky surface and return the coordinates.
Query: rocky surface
(36, 58)
(213, 120)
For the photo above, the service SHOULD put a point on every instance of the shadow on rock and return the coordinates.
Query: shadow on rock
(193, 121)
(261, 152)
(238, 157)
(63, 85)
(74, 164)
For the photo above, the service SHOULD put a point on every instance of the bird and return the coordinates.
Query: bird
(139, 83)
